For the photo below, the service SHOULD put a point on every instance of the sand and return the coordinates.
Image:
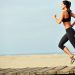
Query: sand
(45, 60)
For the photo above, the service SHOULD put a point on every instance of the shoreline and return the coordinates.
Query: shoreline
(31, 54)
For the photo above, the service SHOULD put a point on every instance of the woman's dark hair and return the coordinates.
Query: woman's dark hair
(68, 5)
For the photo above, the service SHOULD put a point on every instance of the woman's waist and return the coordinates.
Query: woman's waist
(70, 29)
(67, 25)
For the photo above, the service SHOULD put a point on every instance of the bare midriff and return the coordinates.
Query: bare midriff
(67, 25)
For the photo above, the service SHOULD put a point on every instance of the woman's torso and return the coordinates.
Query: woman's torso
(66, 19)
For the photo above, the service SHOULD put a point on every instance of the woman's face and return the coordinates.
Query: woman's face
(63, 6)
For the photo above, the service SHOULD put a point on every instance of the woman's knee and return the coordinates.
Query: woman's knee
(61, 46)
(73, 45)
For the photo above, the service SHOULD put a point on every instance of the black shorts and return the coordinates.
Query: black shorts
(70, 35)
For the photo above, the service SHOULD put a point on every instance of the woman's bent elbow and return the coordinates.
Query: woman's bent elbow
(59, 22)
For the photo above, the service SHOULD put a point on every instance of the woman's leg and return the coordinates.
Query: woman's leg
(66, 50)
(63, 40)
(71, 37)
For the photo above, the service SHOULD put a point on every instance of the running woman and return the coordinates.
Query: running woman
(65, 17)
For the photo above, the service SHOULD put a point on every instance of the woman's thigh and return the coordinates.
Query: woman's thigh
(64, 39)
(71, 37)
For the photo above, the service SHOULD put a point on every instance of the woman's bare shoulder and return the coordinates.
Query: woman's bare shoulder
(62, 12)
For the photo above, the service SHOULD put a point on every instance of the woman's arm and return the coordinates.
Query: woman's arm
(73, 24)
(73, 15)
(60, 19)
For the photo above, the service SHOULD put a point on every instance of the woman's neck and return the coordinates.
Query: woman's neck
(66, 9)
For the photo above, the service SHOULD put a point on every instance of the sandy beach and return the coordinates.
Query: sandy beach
(45, 60)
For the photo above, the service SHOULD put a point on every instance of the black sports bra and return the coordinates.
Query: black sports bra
(67, 19)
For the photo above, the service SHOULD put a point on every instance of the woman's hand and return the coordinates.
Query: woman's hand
(59, 20)
(54, 16)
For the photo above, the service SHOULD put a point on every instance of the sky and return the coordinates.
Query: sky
(27, 27)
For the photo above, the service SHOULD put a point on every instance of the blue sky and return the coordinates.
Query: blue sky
(27, 27)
